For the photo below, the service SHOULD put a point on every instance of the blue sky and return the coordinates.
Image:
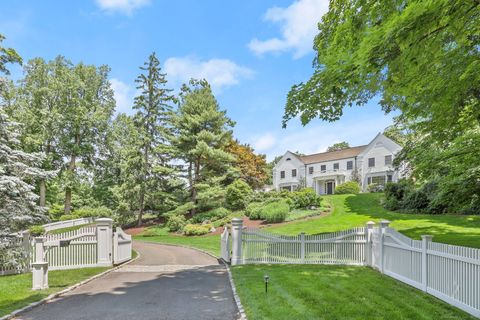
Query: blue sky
(251, 52)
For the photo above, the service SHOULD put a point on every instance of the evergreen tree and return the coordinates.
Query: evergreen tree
(203, 133)
(153, 121)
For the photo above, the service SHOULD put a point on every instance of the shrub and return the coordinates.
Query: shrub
(36, 230)
(349, 187)
(66, 217)
(375, 187)
(196, 229)
(275, 211)
(304, 198)
(176, 223)
(253, 210)
(211, 215)
(238, 195)
(98, 212)
(55, 211)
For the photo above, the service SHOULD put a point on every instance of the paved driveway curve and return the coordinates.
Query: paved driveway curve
(166, 282)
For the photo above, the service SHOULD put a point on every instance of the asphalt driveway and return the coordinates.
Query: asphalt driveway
(166, 282)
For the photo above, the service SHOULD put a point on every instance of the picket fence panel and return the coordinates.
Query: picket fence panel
(343, 247)
(225, 245)
(67, 223)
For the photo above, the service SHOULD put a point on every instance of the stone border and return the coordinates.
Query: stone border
(236, 297)
(59, 293)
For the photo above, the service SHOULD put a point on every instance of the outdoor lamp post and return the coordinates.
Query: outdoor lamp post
(265, 279)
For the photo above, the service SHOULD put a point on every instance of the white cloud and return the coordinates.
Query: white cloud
(218, 72)
(123, 6)
(123, 94)
(264, 142)
(298, 27)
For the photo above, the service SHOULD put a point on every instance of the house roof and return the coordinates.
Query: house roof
(332, 155)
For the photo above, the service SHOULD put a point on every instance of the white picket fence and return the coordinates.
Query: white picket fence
(450, 273)
(89, 246)
(344, 247)
(67, 224)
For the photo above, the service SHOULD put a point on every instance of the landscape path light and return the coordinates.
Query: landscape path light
(265, 279)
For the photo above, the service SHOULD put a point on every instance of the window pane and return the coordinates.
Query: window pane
(282, 174)
(335, 166)
(371, 162)
(349, 165)
(379, 180)
(389, 178)
(388, 160)
(323, 167)
(310, 170)
(294, 172)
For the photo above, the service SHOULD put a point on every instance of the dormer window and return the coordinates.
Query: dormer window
(288, 159)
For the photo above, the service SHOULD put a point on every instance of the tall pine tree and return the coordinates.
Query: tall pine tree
(203, 133)
(153, 121)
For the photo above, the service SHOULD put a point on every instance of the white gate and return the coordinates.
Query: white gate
(225, 245)
(122, 246)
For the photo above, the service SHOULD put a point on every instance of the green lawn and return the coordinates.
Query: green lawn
(16, 290)
(355, 210)
(209, 243)
(333, 292)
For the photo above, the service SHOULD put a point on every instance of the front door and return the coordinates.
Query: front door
(330, 187)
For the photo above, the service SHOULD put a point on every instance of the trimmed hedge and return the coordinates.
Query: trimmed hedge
(196, 230)
(270, 212)
(238, 195)
(176, 223)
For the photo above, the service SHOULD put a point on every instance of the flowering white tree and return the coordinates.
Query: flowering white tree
(18, 172)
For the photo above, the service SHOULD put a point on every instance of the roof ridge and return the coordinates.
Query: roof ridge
(325, 152)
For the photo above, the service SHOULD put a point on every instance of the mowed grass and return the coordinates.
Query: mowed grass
(160, 234)
(356, 210)
(333, 292)
(16, 290)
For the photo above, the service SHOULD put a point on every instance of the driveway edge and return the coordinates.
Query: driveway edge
(59, 293)
(236, 297)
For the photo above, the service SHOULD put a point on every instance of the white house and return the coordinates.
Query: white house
(371, 163)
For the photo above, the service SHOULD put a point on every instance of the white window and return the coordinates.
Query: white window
(282, 174)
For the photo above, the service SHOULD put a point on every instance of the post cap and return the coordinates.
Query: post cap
(237, 221)
(104, 220)
(39, 239)
(370, 223)
(427, 237)
(384, 223)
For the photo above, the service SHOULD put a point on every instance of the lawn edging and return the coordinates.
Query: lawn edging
(236, 297)
(59, 293)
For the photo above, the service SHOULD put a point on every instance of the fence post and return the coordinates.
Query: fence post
(425, 240)
(39, 267)
(368, 243)
(383, 225)
(104, 242)
(302, 247)
(237, 227)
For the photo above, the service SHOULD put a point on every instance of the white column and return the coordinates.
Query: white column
(368, 244)
(39, 267)
(104, 242)
(237, 227)
(383, 225)
(425, 240)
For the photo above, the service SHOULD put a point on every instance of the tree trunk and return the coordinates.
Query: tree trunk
(68, 190)
(142, 189)
(194, 185)
(141, 204)
(43, 191)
